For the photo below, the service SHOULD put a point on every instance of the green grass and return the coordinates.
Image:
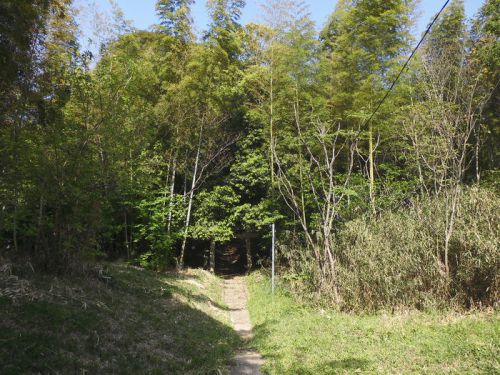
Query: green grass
(299, 339)
(140, 322)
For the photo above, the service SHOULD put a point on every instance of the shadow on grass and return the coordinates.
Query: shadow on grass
(166, 288)
(131, 326)
(200, 298)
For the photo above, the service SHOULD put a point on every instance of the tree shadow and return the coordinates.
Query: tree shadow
(132, 282)
(198, 297)
(129, 326)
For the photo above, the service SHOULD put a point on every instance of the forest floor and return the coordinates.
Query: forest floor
(135, 322)
(298, 339)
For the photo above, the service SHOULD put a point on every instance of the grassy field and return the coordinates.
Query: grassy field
(298, 339)
(138, 322)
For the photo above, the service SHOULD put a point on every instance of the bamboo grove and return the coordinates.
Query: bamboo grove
(166, 137)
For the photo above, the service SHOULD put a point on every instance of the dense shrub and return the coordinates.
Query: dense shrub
(396, 259)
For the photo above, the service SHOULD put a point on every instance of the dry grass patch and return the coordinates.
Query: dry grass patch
(136, 321)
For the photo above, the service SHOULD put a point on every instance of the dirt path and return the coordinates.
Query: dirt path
(246, 362)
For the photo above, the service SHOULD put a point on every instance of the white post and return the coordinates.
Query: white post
(272, 259)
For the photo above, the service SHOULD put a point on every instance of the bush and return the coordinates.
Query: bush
(397, 259)
(155, 247)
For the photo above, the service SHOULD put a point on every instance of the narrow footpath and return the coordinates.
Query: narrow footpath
(246, 362)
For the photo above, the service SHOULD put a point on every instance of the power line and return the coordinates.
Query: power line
(406, 64)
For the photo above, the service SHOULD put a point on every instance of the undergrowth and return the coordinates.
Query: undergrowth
(396, 260)
(128, 321)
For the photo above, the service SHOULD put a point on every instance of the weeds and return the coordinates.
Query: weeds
(137, 321)
(396, 261)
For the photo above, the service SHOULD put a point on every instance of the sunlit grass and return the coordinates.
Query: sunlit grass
(296, 339)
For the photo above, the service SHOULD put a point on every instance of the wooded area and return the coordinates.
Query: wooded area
(164, 137)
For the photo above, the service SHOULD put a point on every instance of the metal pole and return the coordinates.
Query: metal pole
(272, 258)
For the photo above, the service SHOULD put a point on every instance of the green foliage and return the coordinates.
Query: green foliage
(364, 42)
(152, 229)
(448, 34)
(214, 214)
(250, 179)
(22, 25)
(485, 57)
(166, 138)
(225, 15)
(175, 18)
(396, 259)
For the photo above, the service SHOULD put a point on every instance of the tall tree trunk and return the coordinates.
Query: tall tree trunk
(131, 170)
(39, 225)
(249, 253)
(184, 194)
(451, 213)
(167, 181)
(271, 117)
(15, 137)
(327, 244)
(212, 255)
(172, 190)
(476, 156)
(190, 201)
(125, 232)
(371, 167)
(14, 224)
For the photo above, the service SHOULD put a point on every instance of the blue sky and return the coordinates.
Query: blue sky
(142, 12)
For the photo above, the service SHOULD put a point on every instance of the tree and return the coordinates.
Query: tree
(175, 19)
(250, 179)
(364, 43)
(214, 217)
(224, 26)
(214, 94)
(485, 58)
(315, 185)
(44, 224)
(445, 116)
(288, 56)
(22, 26)
(22, 29)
